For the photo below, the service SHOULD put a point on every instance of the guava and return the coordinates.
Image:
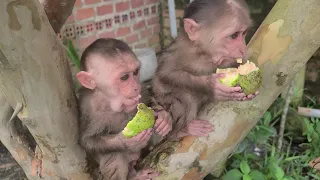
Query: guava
(247, 76)
(144, 119)
(250, 79)
(231, 76)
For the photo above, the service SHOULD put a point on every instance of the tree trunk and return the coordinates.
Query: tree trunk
(34, 71)
(282, 45)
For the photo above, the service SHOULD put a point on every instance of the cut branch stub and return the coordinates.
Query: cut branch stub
(282, 45)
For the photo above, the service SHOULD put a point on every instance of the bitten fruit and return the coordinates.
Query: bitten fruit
(144, 119)
(248, 76)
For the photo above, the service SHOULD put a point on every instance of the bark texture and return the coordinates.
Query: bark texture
(34, 71)
(282, 45)
(57, 11)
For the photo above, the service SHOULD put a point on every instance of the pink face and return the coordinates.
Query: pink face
(117, 79)
(226, 42)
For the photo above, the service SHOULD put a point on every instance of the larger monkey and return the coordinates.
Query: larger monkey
(213, 36)
(108, 100)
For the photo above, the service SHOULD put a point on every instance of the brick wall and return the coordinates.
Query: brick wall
(134, 21)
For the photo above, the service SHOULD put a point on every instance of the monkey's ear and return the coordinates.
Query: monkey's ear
(86, 80)
(191, 28)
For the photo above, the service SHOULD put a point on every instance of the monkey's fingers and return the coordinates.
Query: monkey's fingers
(140, 136)
(147, 173)
(165, 130)
(161, 125)
(200, 123)
(146, 136)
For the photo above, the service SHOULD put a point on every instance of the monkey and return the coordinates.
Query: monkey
(108, 99)
(213, 36)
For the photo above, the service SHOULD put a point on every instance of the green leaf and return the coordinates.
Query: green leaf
(72, 53)
(267, 118)
(257, 175)
(233, 174)
(245, 168)
(318, 128)
(279, 173)
(247, 177)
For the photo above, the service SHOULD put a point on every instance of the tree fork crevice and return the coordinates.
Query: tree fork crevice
(17, 147)
(57, 12)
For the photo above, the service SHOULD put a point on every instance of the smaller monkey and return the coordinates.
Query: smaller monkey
(108, 100)
(213, 36)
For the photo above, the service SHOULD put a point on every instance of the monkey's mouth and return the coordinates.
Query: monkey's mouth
(135, 99)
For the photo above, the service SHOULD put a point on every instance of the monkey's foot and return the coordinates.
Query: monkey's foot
(196, 128)
(144, 174)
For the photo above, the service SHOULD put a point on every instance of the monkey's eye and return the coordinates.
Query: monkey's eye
(136, 72)
(235, 35)
(125, 77)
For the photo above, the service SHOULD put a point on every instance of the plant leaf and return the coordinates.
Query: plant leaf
(245, 168)
(257, 175)
(267, 118)
(233, 174)
(247, 177)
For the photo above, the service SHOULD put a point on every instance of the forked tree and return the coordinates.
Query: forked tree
(36, 86)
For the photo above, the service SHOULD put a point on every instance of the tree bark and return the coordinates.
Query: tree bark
(57, 12)
(282, 45)
(34, 71)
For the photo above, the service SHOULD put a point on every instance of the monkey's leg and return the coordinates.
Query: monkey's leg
(114, 166)
(191, 125)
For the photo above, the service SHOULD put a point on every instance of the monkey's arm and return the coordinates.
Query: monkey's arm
(101, 143)
(183, 79)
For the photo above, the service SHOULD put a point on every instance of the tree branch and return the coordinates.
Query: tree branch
(284, 42)
(57, 11)
(34, 70)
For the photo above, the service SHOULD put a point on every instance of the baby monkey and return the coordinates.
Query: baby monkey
(108, 101)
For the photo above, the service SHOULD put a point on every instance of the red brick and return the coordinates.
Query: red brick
(153, 20)
(105, 9)
(153, 40)
(85, 13)
(86, 41)
(122, 6)
(156, 29)
(132, 38)
(146, 33)
(92, 1)
(136, 3)
(143, 45)
(123, 31)
(78, 3)
(109, 34)
(151, 2)
(139, 25)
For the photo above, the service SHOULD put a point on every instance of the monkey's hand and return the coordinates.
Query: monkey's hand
(146, 174)
(139, 141)
(225, 93)
(196, 128)
(163, 123)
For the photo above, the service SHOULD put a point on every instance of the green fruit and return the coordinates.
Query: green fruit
(247, 76)
(250, 79)
(231, 76)
(144, 119)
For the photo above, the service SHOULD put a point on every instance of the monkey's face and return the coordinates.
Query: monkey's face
(226, 42)
(118, 80)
